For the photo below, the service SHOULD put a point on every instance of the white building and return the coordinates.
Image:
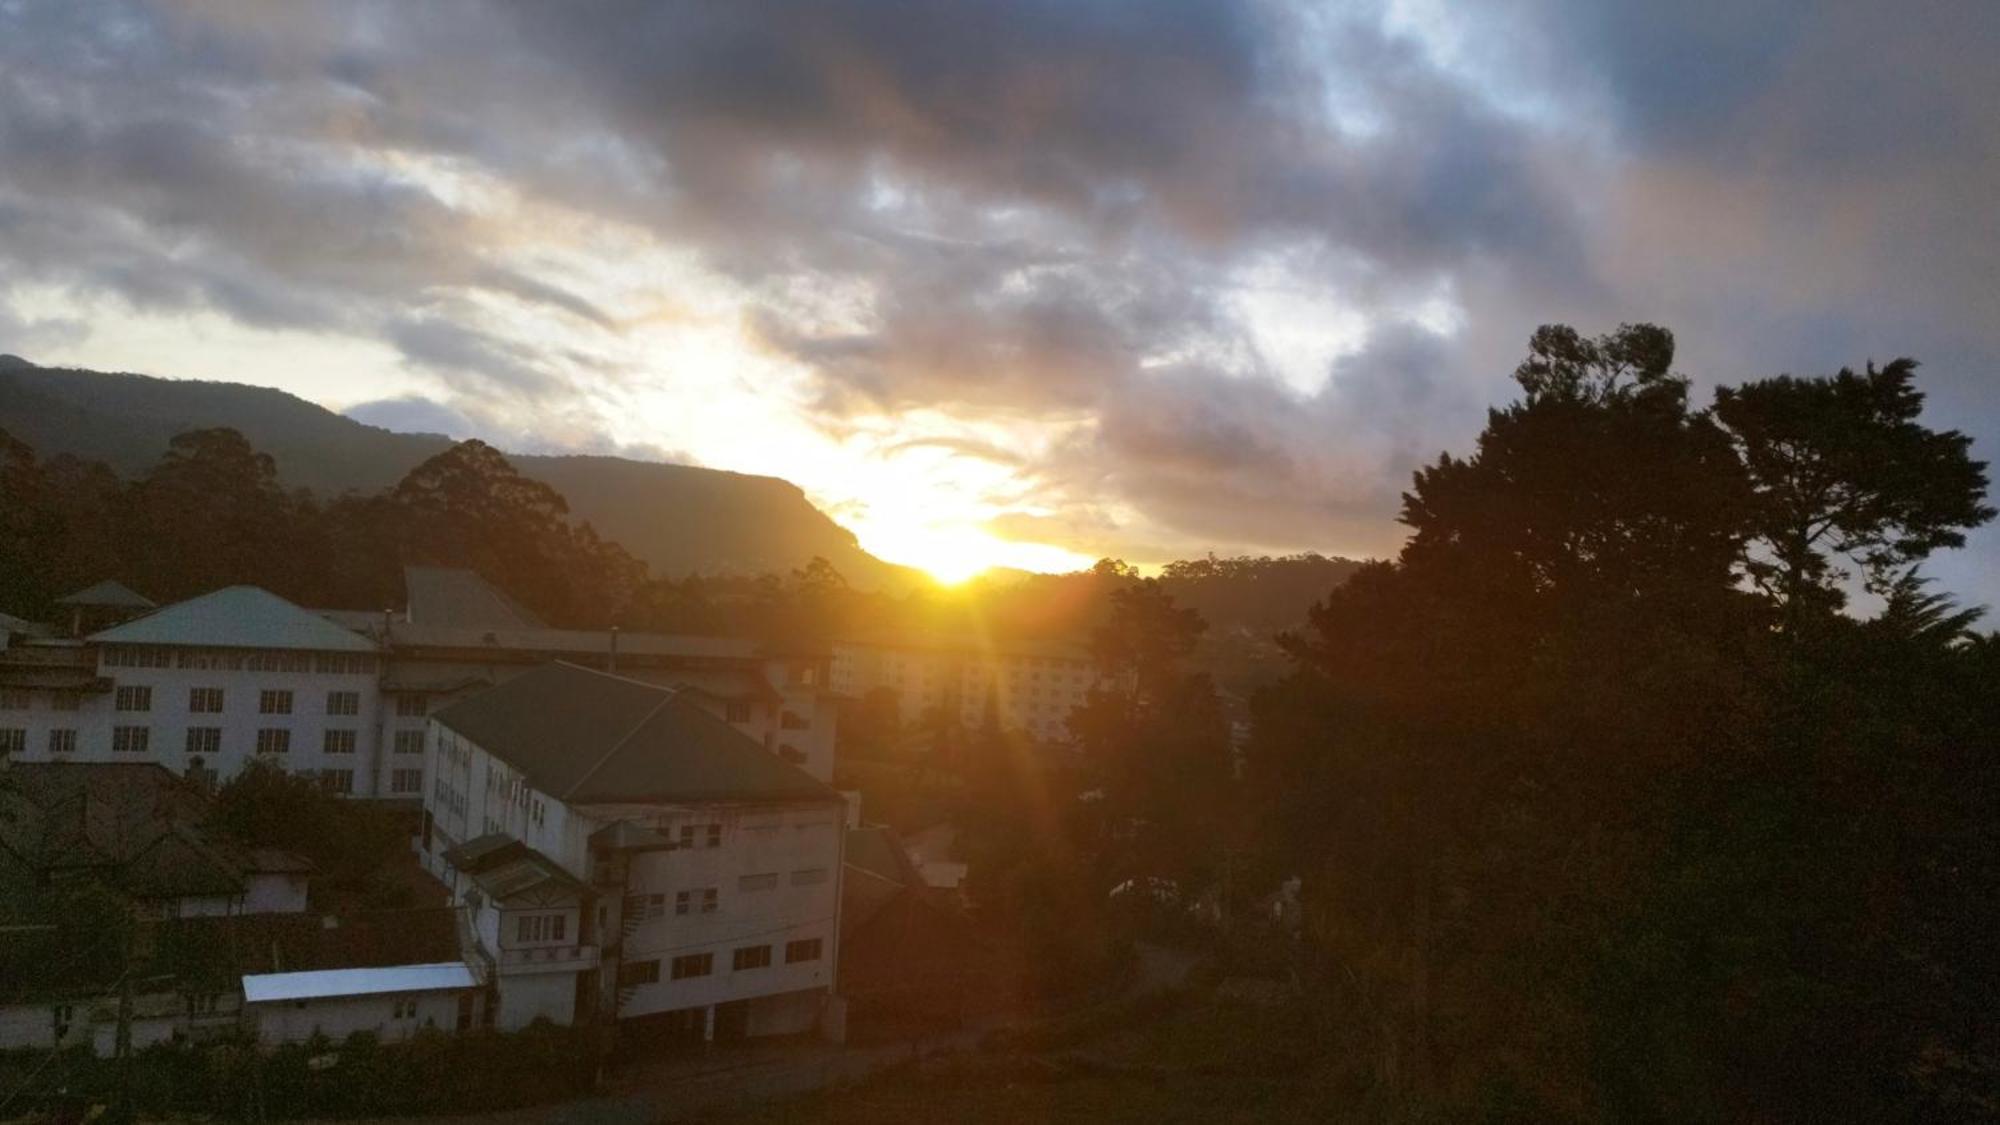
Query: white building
(1030, 688)
(202, 687)
(629, 854)
(206, 685)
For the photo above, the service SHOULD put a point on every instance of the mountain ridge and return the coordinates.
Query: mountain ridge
(747, 523)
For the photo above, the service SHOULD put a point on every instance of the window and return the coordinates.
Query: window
(274, 702)
(540, 927)
(645, 908)
(134, 697)
(641, 972)
(205, 700)
(131, 740)
(737, 710)
(750, 957)
(343, 703)
(338, 742)
(412, 706)
(711, 834)
(13, 740)
(62, 740)
(204, 740)
(707, 897)
(757, 882)
(14, 699)
(337, 781)
(409, 742)
(693, 965)
(274, 740)
(797, 951)
(808, 876)
(406, 781)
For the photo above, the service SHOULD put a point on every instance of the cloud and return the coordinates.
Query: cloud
(1041, 213)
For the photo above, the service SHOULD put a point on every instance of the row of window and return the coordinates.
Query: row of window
(742, 959)
(201, 741)
(209, 701)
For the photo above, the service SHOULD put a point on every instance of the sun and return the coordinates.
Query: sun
(954, 553)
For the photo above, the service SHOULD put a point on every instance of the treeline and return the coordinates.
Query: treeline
(1605, 803)
(1607, 810)
(213, 512)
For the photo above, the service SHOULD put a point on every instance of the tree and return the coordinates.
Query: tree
(1842, 469)
(212, 513)
(469, 506)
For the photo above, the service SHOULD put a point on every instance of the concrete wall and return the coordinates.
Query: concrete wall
(757, 842)
(168, 717)
(526, 996)
(339, 1017)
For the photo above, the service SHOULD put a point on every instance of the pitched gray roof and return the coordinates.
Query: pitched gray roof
(236, 617)
(108, 593)
(462, 599)
(583, 736)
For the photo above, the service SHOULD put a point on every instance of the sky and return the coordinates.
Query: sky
(1026, 282)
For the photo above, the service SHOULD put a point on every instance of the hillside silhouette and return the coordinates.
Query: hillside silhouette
(748, 524)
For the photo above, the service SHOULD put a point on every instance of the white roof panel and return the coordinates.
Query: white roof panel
(237, 617)
(326, 983)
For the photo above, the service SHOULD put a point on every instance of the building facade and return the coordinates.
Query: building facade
(207, 685)
(1028, 688)
(630, 856)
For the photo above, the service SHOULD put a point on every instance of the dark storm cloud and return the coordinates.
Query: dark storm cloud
(1046, 210)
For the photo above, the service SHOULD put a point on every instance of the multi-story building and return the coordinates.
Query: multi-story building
(206, 685)
(629, 855)
(1029, 688)
(202, 687)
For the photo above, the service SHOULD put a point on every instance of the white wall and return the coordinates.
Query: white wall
(525, 997)
(757, 841)
(168, 718)
(338, 1017)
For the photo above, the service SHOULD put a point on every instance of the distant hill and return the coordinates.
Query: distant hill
(678, 518)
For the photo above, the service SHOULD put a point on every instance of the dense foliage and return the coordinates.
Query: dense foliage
(1606, 811)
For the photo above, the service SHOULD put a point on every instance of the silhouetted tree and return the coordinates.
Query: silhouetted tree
(1843, 469)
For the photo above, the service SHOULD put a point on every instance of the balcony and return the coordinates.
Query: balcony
(548, 959)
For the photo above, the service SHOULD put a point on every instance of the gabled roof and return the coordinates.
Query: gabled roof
(585, 736)
(132, 824)
(108, 593)
(236, 617)
(464, 599)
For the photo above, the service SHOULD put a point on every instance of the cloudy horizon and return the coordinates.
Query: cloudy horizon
(1047, 280)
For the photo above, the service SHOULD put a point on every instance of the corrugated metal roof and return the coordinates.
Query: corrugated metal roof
(329, 983)
(236, 617)
(585, 736)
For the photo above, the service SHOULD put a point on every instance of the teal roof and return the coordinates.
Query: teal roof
(236, 617)
(108, 593)
(587, 736)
